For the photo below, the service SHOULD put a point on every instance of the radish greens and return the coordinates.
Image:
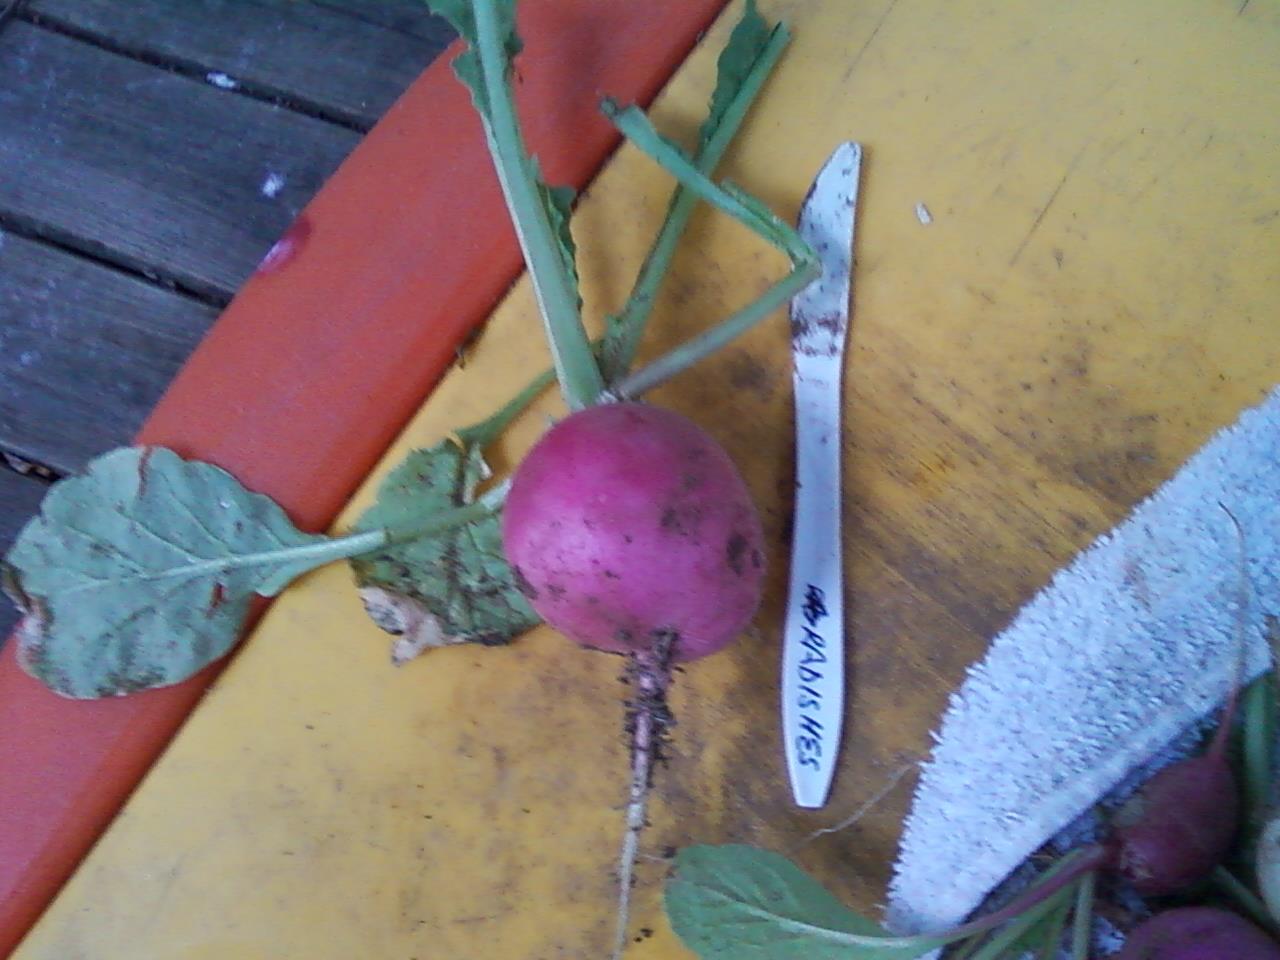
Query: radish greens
(140, 572)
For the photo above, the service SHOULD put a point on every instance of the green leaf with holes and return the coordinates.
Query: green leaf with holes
(455, 587)
(140, 572)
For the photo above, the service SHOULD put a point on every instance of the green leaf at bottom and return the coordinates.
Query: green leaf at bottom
(738, 902)
(453, 587)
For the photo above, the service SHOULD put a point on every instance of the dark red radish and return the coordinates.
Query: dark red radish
(1198, 933)
(627, 521)
(1180, 826)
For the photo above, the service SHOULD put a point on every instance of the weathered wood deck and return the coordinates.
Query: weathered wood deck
(150, 154)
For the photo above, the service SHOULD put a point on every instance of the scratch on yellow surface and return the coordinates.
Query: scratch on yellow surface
(1098, 291)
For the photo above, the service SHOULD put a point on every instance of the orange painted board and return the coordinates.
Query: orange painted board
(320, 360)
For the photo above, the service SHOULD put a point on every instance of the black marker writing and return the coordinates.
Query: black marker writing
(810, 740)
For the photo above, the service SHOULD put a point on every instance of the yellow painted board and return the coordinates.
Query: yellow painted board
(1098, 291)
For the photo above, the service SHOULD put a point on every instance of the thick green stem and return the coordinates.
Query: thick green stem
(575, 364)
(627, 327)
(1082, 920)
(737, 204)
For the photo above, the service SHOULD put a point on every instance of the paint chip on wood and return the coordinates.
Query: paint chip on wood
(272, 186)
(222, 81)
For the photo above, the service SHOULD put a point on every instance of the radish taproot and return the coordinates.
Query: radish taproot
(1198, 933)
(626, 522)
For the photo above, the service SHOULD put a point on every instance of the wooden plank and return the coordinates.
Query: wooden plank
(149, 168)
(344, 67)
(408, 16)
(19, 498)
(85, 352)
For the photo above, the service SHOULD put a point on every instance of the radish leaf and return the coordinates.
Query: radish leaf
(140, 572)
(747, 44)
(738, 902)
(461, 16)
(454, 587)
(559, 204)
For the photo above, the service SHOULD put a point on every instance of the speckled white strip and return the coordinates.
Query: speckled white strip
(1125, 648)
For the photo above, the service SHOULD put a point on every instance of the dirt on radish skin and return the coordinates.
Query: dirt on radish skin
(626, 521)
(1198, 933)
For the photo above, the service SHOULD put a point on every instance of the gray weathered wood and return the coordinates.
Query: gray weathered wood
(149, 168)
(85, 352)
(19, 498)
(408, 16)
(341, 65)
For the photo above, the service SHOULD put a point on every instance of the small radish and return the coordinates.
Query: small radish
(631, 531)
(1198, 933)
(1180, 826)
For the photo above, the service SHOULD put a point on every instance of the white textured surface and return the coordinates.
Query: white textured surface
(1104, 667)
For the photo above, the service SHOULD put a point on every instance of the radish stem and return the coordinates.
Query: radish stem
(487, 430)
(312, 555)
(1003, 941)
(575, 363)
(1082, 921)
(1055, 926)
(737, 204)
(1244, 898)
(627, 327)
(1062, 874)
(705, 344)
